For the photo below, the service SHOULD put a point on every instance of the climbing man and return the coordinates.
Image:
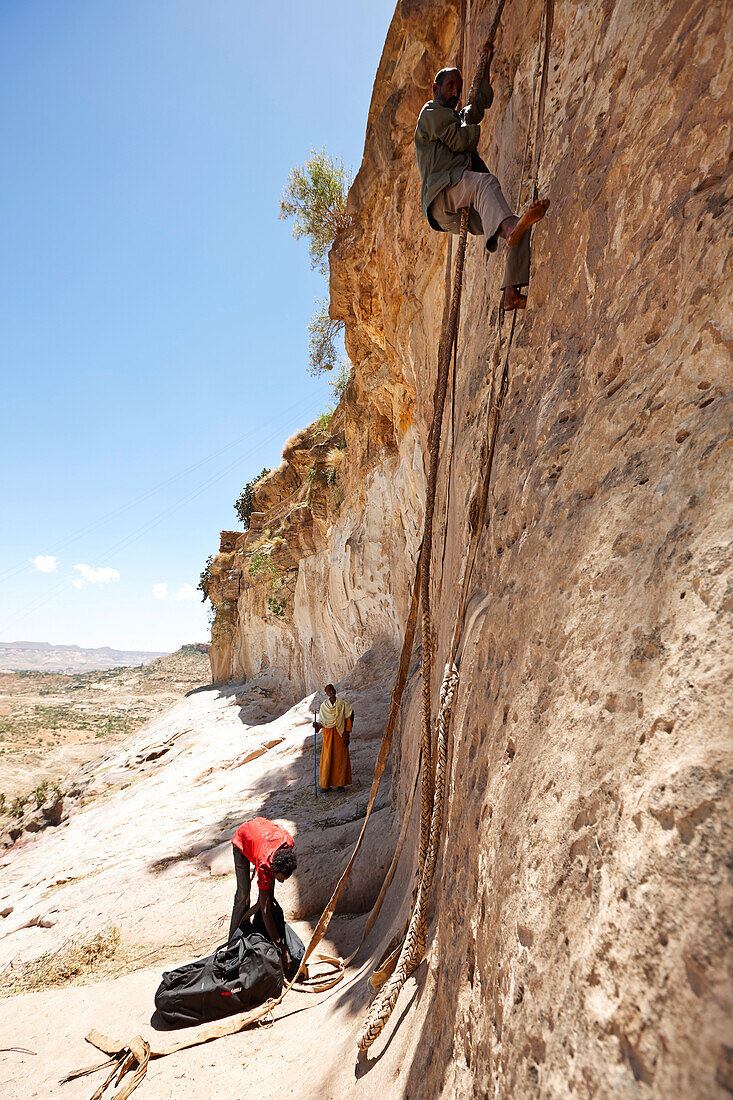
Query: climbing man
(260, 845)
(336, 719)
(454, 176)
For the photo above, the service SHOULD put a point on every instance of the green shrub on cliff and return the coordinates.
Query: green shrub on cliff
(262, 565)
(341, 380)
(321, 428)
(323, 354)
(315, 196)
(243, 503)
(205, 579)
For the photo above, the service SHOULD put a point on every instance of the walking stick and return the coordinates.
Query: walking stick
(315, 770)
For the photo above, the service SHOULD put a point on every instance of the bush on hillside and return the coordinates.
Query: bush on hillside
(243, 503)
(262, 565)
(321, 428)
(205, 579)
(322, 333)
(340, 380)
(315, 196)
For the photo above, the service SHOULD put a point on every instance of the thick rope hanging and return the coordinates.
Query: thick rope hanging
(445, 349)
(444, 357)
(413, 947)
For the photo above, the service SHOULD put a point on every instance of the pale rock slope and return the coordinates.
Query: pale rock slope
(150, 852)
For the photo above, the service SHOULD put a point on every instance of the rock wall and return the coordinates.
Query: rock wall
(340, 525)
(581, 937)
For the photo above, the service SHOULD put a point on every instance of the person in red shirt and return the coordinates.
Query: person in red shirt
(264, 846)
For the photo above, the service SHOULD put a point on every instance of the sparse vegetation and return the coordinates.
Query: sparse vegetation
(277, 605)
(46, 711)
(39, 721)
(322, 427)
(328, 469)
(262, 565)
(205, 579)
(243, 503)
(341, 380)
(322, 333)
(77, 958)
(40, 793)
(312, 475)
(315, 197)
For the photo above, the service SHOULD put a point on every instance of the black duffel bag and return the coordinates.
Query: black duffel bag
(241, 974)
(293, 942)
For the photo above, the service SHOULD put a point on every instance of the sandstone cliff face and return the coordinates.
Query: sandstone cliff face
(338, 522)
(581, 943)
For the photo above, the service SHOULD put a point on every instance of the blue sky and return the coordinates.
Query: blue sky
(153, 309)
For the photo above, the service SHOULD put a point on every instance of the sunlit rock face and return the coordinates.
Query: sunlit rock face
(581, 938)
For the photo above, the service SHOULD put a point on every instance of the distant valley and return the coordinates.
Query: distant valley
(53, 722)
(43, 657)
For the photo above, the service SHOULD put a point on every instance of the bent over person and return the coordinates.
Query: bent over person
(336, 719)
(446, 141)
(261, 846)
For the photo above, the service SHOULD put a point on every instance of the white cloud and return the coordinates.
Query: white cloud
(160, 591)
(78, 583)
(44, 563)
(187, 592)
(103, 575)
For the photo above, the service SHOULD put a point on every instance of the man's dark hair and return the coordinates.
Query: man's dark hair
(440, 77)
(284, 862)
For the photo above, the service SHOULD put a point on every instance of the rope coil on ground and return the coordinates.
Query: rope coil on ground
(319, 983)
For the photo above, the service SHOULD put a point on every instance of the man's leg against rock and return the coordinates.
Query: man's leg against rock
(516, 267)
(485, 193)
(241, 898)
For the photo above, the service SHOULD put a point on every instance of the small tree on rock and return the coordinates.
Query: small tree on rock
(315, 196)
(243, 503)
(322, 331)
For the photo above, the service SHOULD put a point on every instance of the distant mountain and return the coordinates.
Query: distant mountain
(43, 657)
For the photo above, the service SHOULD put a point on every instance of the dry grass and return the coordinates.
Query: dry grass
(96, 958)
(294, 443)
(336, 460)
(259, 542)
(77, 958)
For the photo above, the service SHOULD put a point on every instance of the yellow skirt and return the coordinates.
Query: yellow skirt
(335, 770)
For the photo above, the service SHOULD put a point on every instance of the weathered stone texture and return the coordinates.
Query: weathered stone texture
(582, 935)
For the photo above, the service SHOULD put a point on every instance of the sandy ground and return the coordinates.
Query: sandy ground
(150, 852)
(310, 1052)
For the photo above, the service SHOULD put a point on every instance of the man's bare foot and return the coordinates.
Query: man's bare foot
(535, 213)
(514, 299)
